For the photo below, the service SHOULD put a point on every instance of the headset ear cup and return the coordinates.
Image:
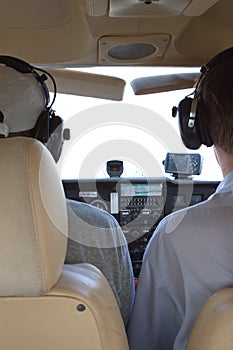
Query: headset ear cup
(55, 123)
(189, 135)
(56, 139)
(42, 126)
(49, 130)
(203, 127)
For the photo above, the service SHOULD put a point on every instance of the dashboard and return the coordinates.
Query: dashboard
(139, 204)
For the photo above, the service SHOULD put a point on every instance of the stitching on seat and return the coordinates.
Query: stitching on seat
(28, 161)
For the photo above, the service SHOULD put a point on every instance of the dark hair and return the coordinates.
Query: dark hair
(215, 91)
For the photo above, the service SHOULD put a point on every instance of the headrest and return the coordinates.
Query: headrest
(33, 218)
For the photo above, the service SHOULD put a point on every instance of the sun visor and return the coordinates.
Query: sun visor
(163, 83)
(74, 82)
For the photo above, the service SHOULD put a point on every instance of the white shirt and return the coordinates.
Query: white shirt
(189, 257)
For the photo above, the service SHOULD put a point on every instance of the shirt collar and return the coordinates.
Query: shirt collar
(226, 184)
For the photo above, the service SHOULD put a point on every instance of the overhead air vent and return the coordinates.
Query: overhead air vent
(132, 49)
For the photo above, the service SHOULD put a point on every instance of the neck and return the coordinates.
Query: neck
(225, 160)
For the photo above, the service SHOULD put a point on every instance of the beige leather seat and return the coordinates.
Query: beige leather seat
(213, 329)
(43, 304)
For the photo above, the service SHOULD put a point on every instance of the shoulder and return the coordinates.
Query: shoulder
(178, 227)
(86, 222)
(90, 213)
(186, 217)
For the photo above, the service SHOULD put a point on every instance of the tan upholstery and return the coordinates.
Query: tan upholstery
(33, 218)
(213, 329)
(43, 303)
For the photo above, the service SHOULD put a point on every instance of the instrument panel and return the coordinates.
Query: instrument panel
(139, 204)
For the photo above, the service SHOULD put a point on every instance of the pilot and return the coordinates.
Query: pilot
(94, 235)
(190, 255)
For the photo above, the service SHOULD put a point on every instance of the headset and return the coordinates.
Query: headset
(47, 122)
(193, 129)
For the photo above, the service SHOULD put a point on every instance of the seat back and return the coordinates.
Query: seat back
(45, 304)
(33, 219)
(213, 329)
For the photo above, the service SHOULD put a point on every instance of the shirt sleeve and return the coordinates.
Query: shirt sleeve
(155, 318)
(95, 237)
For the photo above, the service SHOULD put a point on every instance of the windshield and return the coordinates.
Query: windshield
(139, 130)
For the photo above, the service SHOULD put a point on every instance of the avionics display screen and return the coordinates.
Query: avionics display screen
(141, 189)
(178, 163)
(182, 163)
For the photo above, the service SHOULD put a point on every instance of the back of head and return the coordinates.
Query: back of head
(25, 108)
(206, 118)
(215, 92)
(22, 97)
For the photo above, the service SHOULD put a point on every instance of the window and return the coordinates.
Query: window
(139, 130)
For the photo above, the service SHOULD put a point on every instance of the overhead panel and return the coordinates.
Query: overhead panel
(27, 14)
(157, 8)
(198, 7)
(54, 32)
(141, 8)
